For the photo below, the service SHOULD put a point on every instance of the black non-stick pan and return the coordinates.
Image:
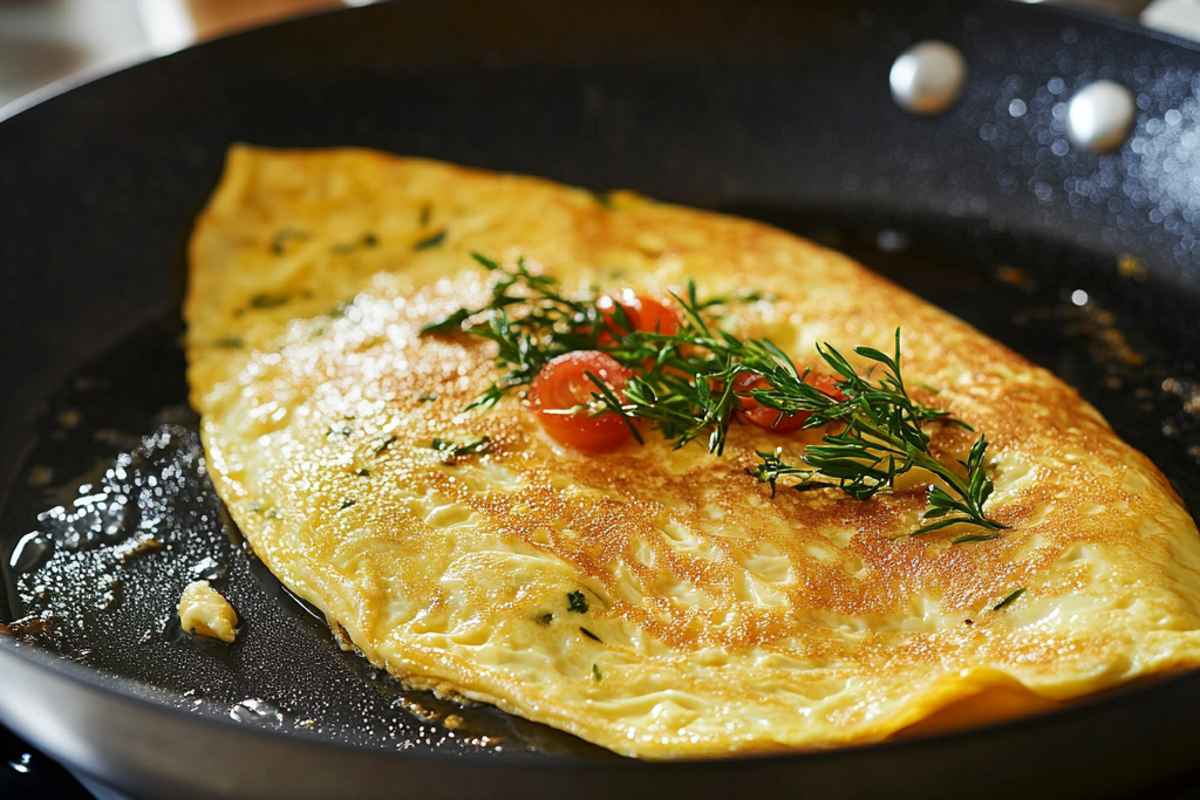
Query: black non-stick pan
(775, 109)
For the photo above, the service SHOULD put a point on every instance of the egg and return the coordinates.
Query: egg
(205, 611)
(657, 600)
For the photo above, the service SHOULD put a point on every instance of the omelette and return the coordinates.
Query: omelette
(383, 443)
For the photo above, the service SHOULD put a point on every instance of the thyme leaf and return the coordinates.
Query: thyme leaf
(384, 444)
(577, 602)
(265, 300)
(1007, 600)
(432, 240)
(451, 449)
(366, 240)
(881, 439)
(278, 244)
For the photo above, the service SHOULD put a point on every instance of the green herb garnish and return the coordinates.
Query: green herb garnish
(550, 325)
(882, 439)
(590, 635)
(268, 300)
(367, 240)
(258, 508)
(281, 239)
(1006, 601)
(476, 446)
(384, 443)
(597, 676)
(577, 602)
(683, 384)
(430, 241)
(544, 619)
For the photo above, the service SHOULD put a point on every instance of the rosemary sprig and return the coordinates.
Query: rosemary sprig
(683, 385)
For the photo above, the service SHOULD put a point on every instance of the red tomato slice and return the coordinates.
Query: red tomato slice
(655, 317)
(751, 411)
(645, 314)
(561, 392)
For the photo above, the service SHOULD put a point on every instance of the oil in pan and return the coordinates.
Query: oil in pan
(117, 515)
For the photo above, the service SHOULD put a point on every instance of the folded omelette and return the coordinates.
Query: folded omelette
(656, 599)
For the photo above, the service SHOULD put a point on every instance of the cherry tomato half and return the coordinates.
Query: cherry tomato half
(751, 411)
(645, 314)
(561, 393)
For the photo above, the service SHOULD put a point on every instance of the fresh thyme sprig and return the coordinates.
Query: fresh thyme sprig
(550, 325)
(882, 439)
(683, 385)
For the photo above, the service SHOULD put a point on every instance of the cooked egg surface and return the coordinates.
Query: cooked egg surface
(658, 602)
(205, 611)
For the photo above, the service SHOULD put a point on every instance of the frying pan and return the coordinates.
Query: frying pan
(775, 109)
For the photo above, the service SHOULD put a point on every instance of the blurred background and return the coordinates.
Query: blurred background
(43, 42)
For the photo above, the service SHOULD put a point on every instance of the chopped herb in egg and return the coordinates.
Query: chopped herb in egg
(577, 602)
(367, 240)
(267, 300)
(278, 244)
(430, 241)
(452, 449)
(385, 443)
(1009, 600)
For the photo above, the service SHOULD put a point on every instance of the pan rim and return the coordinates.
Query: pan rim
(88, 678)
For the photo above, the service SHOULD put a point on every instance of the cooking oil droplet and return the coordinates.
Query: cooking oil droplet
(258, 712)
(209, 569)
(114, 593)
(93, 519)
(31, 552)
(23, 763)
